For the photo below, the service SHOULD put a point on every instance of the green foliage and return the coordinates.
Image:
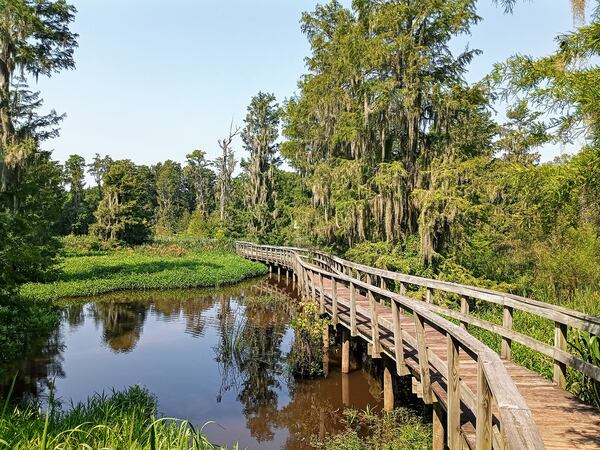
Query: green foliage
(23, 324)
(404, 257)
(588, 347)
(28, 245)
(120, 421)
(153, 267)
(366, 430)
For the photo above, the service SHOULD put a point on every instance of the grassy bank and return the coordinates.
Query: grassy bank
(122, 421)
(141, 269)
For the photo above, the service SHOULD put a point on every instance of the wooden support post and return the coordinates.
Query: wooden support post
(423, 359)
(314, 288)
(464, 309)
(483, 434)
(334, 301)
(402, 289)
(507, 321)
(326, 338)
(439, 432)
(345, 389)
(560, 343)
(287, 277)
(453, 402)
(401, 368)
(345, 352)
(278, 273)
(353, 328)
(383, 286)
(428, 295)
(322, 295)
(388, 390)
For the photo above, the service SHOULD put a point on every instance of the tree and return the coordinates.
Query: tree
(126, 210)
(522, 134)
(201, 179)
(74, 176)
(169, 195)
(564, 84)
(377, 107)
(225, 165)
(76, 216)
(98, 168)
(35, 39)
(259, 136)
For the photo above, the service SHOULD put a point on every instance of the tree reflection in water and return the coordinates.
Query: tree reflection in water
(250, 358)
(245, 327)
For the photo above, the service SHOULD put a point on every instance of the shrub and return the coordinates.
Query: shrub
(367, 430)
(306, 355)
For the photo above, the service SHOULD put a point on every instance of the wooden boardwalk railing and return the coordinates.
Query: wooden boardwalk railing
(487, 400)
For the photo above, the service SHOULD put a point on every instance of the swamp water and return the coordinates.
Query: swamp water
(207, 355)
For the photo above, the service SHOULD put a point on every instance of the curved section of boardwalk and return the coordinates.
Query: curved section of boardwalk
(487, 401)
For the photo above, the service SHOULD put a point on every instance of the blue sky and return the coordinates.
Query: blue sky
(157, 79)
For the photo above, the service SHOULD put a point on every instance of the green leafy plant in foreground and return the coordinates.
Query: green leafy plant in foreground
(588, 348)
(120, 421)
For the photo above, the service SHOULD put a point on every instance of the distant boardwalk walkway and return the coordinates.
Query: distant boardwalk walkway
(480, 399)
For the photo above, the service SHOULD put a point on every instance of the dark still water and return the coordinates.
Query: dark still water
(217, 355)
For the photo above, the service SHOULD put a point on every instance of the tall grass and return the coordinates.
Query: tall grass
(120, 421)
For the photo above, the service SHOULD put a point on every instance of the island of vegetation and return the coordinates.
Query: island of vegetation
(392, 158)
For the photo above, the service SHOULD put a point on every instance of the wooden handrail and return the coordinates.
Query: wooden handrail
(517, 427)
(562, 317)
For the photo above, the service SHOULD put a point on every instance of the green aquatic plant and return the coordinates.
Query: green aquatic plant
(135, 269)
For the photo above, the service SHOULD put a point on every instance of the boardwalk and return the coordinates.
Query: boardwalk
(492, 402)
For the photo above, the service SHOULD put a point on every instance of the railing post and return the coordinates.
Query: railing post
(464, 309)
(353, 330)
(401, 368)
(374, 321)
(507, 322)
(560, 343)
(453, 406)
(334, 301)
(423, 358)
(428, 295)
(322, 295)
(483, 439)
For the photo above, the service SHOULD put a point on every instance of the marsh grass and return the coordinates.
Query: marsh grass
(120, 421)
